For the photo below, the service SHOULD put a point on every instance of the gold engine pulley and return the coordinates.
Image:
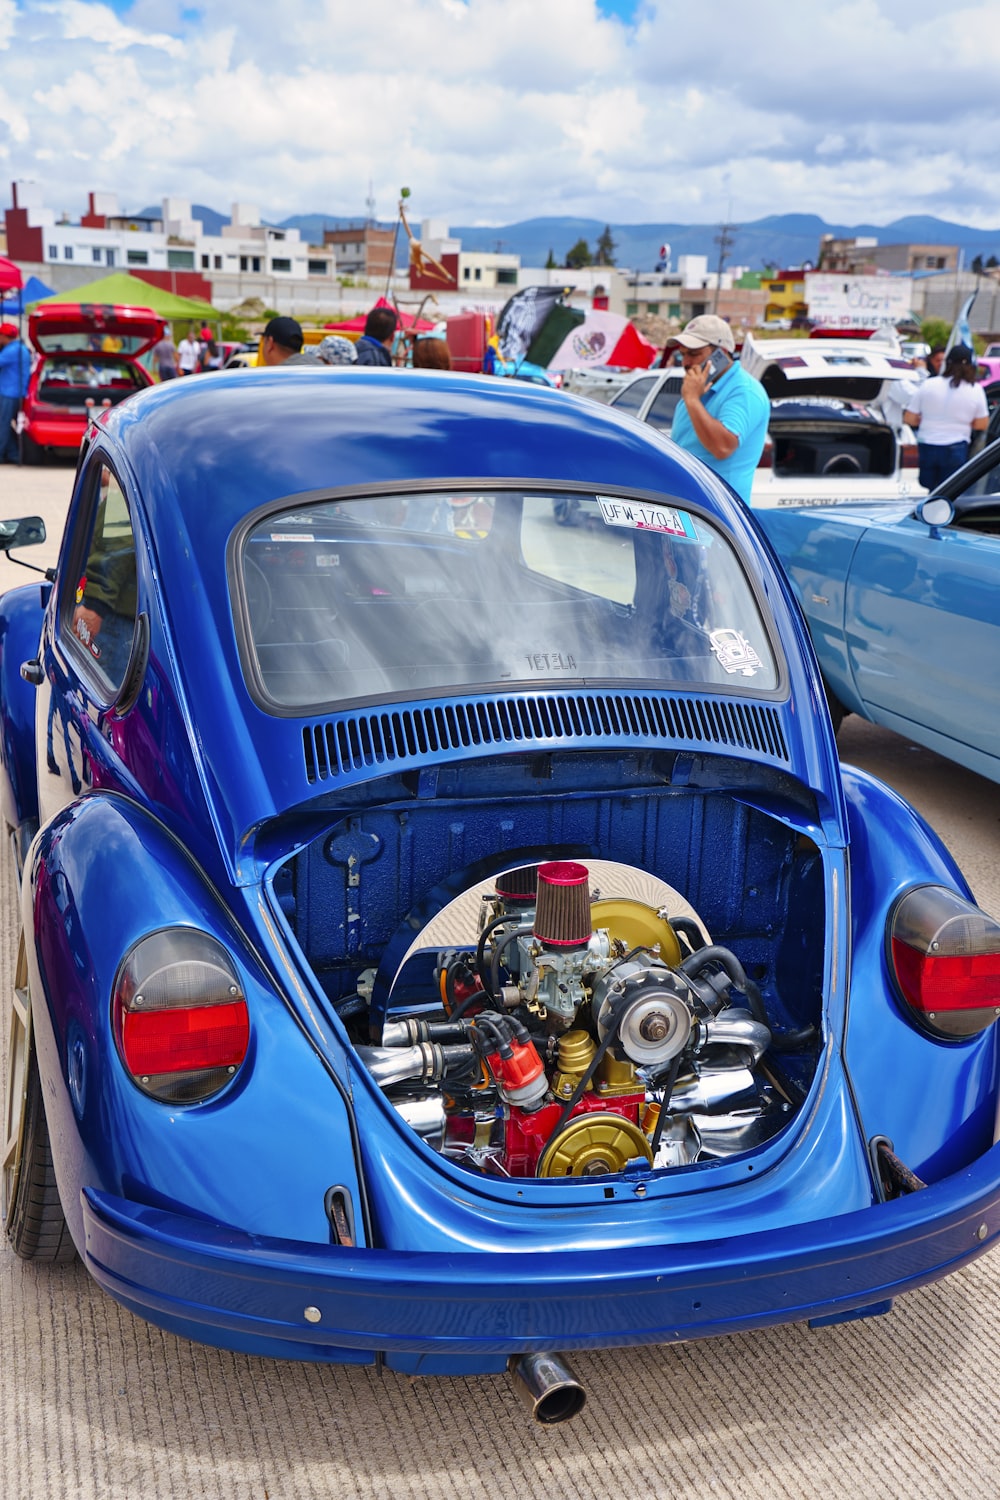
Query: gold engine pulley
(593, 1145)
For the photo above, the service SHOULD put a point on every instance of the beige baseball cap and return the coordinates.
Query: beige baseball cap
(708, 329)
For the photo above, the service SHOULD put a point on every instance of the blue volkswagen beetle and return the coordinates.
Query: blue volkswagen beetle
(903, 604)
(449, 938)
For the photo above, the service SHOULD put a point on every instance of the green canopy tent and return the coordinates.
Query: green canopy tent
(123, 290)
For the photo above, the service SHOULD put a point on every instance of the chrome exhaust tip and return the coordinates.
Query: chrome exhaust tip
(547, 1386)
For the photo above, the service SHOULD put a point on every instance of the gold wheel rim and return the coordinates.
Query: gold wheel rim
(16, 1090)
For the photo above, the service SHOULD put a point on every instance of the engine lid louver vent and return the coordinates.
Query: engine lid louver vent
(356, 741)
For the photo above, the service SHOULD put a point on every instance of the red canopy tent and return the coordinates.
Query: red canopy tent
(406, 320)
(10, 277)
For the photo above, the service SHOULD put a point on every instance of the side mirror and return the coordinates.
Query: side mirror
(26, 531)
(936, 511)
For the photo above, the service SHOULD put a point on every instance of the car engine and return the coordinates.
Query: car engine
(583, 1036)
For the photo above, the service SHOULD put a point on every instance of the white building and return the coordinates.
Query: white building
(247, 258)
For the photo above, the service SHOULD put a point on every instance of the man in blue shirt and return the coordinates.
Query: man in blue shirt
(723, 412)
(15, 367)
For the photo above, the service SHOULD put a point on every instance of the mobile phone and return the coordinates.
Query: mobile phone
(717, 361)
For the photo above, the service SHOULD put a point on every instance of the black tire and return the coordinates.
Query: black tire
(33, 1216)
(838, 712)
(30, 451)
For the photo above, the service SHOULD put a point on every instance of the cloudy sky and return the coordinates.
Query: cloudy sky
(496, 110)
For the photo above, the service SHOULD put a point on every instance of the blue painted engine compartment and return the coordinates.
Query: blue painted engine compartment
(728, 840)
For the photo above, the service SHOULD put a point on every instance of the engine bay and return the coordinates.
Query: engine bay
(583, 1035)
(564, 1009)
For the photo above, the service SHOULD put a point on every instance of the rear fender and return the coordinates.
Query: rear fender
(934, 1100)
(21, 613)
(264, 1151)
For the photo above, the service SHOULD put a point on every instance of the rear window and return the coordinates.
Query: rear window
(74, 341)
(69, 381)
(422, 594)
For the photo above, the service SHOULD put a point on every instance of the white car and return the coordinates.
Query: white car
(836, 432)
(599, 382)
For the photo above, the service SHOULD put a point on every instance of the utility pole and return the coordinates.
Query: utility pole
(725, 241)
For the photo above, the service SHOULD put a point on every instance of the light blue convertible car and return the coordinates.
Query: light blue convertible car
(903, 605)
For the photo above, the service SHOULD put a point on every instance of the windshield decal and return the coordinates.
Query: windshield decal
(550, 661)
(647, 517)
(734, 652)
(680, 598)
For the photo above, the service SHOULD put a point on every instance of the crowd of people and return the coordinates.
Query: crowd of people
(721, 418)
(283, 342)
(197, 351)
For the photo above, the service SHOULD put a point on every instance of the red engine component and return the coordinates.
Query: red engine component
(527, 1134)
(518, 1070)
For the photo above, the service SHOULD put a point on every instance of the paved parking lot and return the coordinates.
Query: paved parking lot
(95, 1405)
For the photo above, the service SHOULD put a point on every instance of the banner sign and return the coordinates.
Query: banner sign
(838, 301)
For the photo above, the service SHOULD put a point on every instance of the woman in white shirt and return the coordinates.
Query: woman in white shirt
(189, 352)
(947, 410)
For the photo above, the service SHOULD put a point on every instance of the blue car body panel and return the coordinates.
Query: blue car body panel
(315, 845)
(924, 631)
(172, 1270)
(20, 624)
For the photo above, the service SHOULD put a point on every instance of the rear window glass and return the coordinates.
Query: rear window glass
(65, 382)
(406, 595)
(71, 341)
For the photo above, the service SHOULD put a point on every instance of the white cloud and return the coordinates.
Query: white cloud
(98, 24)
(8, 17)
(495, 111)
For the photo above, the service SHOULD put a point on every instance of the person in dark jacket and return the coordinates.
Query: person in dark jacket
(375, 344)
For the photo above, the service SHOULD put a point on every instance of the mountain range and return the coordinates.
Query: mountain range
(779, 240)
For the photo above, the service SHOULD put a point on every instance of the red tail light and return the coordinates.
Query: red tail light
(945, 957)
(180, 1016)
(909, 456)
